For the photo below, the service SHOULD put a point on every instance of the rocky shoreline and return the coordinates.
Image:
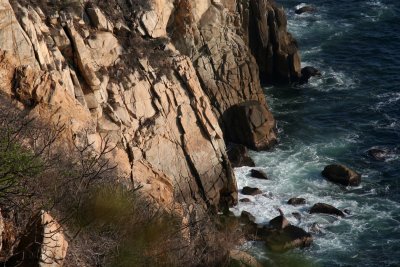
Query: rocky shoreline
(169, 83)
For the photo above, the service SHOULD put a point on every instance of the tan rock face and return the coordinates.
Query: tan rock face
(227, 70)
(167, 136)
(43, 244)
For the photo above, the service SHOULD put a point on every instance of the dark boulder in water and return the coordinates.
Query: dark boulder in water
(305, 9)
(279, 222)
(251, 191)
(307, 73)
(295, 201)
(258, 174)
(282, 236)
(378, 154)
(245, 200)
(341, 174)
(238, 156)
(326, 209)
(289, 237)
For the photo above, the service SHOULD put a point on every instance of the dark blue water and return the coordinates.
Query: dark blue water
(353, 107)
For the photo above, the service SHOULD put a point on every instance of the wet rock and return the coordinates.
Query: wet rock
(295, 201)
(238, 156)
(245, 200)
(258, 174)
(251, 191)
(279, 222)
(247, 217)
(378, 154)
(290, 237)
(305, 9)
(307, 73)
(341, 174)
(250, 124)
(326, 209)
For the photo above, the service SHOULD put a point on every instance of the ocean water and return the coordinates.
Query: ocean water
(353, 107)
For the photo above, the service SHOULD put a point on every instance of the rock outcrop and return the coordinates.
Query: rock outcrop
(167, 82)
(326, 209)
(43, 244)
(341, 174)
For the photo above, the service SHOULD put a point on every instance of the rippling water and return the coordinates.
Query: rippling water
(352, 108)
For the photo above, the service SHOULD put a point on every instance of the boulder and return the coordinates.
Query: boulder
(289, 237)
(279, 222)
(326, 209)
(250, 124)
(378, 154)
(251, 191)
(242, 259)
(307, 73)
(245, 200)
(98, 19)
(305, 9)
(238, 156)
(341, 174)
(258, 174)
(43, 244)
(247, 217)
(295, 201)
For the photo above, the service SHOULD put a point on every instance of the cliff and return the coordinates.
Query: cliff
(169, 82)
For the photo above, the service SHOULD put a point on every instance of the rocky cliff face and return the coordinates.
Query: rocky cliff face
(167, 80)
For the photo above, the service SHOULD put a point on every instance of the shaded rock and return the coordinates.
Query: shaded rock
(279, 222)
(43, 244)
(326, 209)
(238, 156)
(250, 124)
(274, 48)
(245, 200)
(305, 9)
(242, 259)
(341, 174)
(247, 217)
(252, 191)
(258, 174)
(290, 237)
(378, 154)
(307, 73)
(98, 19)
(295, 201)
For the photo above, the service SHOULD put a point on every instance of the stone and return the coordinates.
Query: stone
(43, 244)
(249, 123)
(279, 222)
(242, 259)
(258, 174)
(378, 154)
(98, 19)
(238, 156)
(341, 174)
(13, 38)
(251, 191)
(288, 238)
(305, 9)
(247, 217)
(295, 201)
(245, 200)
(306, 73)
(326, 209)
